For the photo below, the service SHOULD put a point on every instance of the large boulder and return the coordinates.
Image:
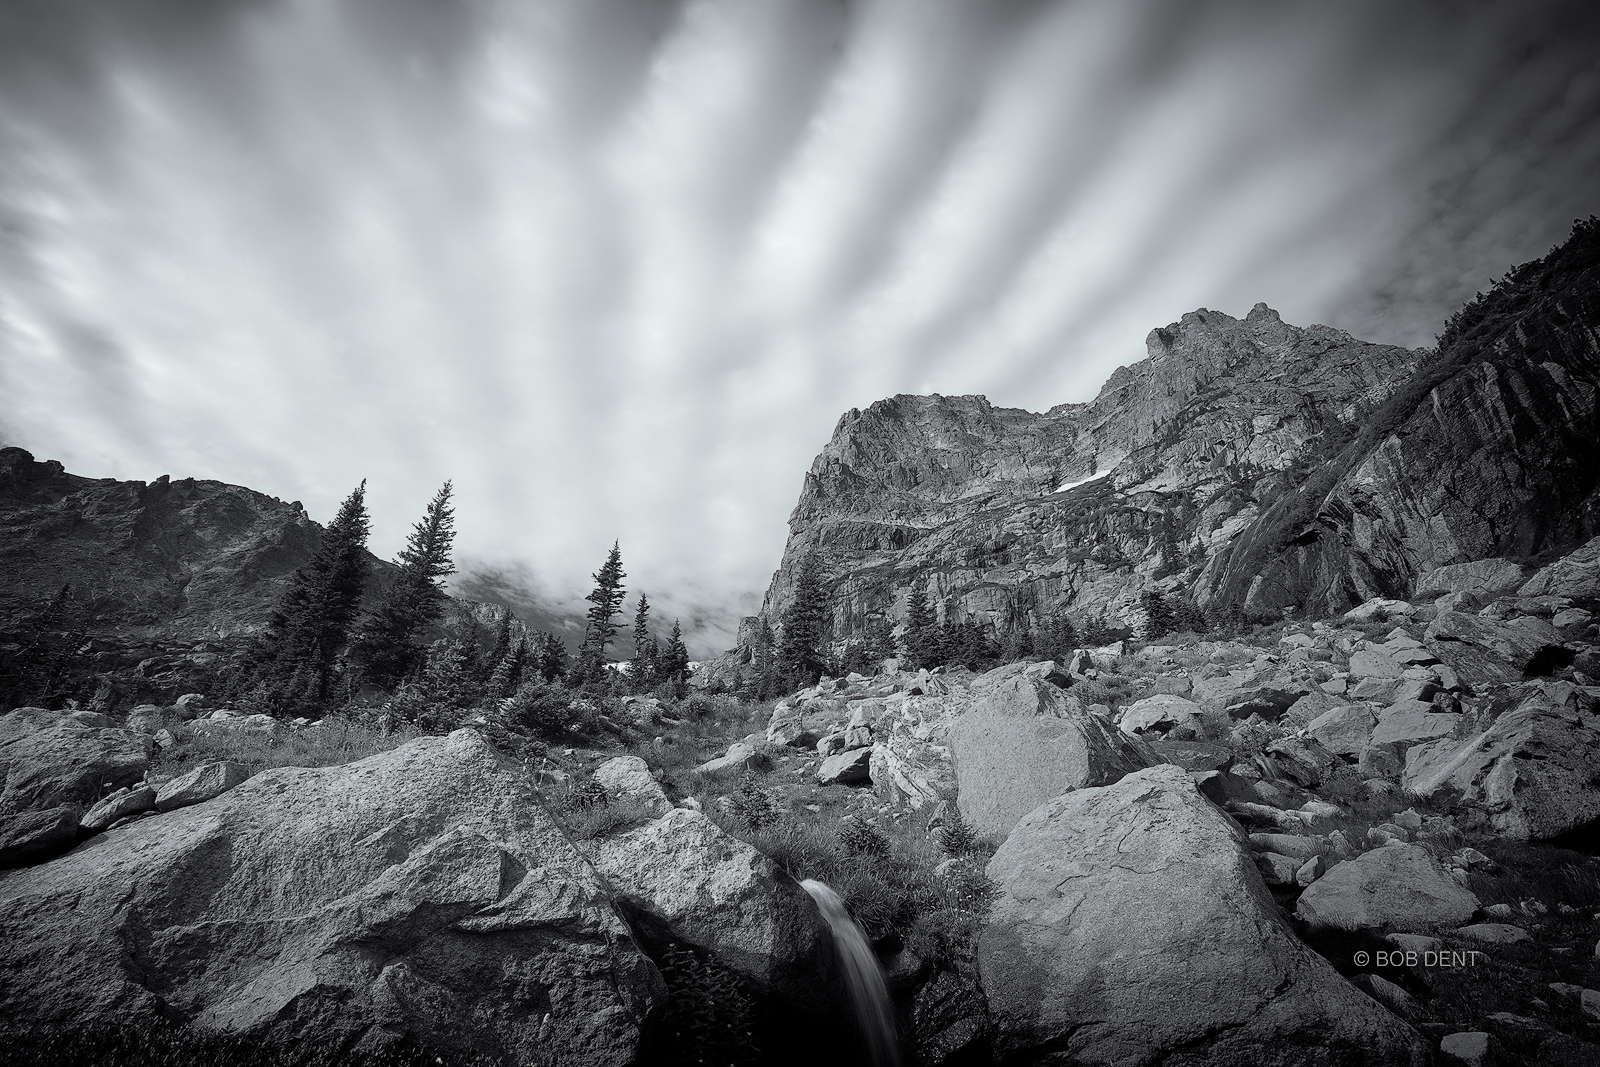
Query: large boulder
(1399, 886)
(913, 769)
(1576, 574)
(1343, 730)
(629, 777)
(1486, 649)
(48, 759)
(206, 782)
(1161, 714)
(1133, 927)
(422, 895)
(1025, 741)
(711, 890)
(29, 837)
(1532, 771)
(1483, 578)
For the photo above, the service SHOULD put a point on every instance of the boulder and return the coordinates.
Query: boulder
(1374, 663)
(1576, 574)
(124, 802)
(1486, 649)
(1406, 727)
(1302, 760)
(949, 1016)
(907, 767)
(1025, 741)
(1398, 885)
(48, 759)
(629, 776)
(695, 883)
(1133, 927)
(1379, 608)
(1494, 933)
(1531, 770)
(1194, 755)
(225, 719)
(740, 756)
(1159, 715)
(421, 896)
(1344, 730)
(29, 837)
(1483, 578)
(853, 767)
(206, 782)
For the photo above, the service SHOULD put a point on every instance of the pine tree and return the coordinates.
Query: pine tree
(921, 633)
(1158, 615)
(801, 654)
(502, 643)
(304, 635)
(600, 626)
(767, 683)
(1057, 639)
(390, 641)
(675, 658)
(507, 674)
(643, 672)
(552, 659)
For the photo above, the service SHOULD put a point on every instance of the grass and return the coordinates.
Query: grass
(334, 741)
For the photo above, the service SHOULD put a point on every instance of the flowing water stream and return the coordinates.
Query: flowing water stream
(868, 994)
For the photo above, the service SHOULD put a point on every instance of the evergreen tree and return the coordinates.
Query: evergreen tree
(600, 626)
(921, 636)
(507, 674)
(674, 662)
(801, 653)
(1159, 617)
(502, 643)
(390, 641)
(643, 672)
(1188, 617)
(1057, 638)
(552, 658)
(298, 652)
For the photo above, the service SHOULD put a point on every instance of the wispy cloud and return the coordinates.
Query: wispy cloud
(617, 267)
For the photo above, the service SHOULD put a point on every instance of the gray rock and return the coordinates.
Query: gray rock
(629, 776)
(1404, 728)
(1025, 741)
(1194, 755)
(1483, 578)
(1473, 1047)
(1531, 770)
(853, 767)
(1292, 845)
(1067, 958)
(1576, 574)
(740, 756)
(1386, 993)
(1160, 714)
(29, 837)
(1483, 649)
(911, 768)
(1344, 730)
(715, 892)
(323, 905)
(1494, 933)
(130, 801)
(1373, 663)
(1276, 869)
(48, 759)
(204, 783)
(1398, 885)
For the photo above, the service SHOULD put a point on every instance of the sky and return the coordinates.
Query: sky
(616, 267)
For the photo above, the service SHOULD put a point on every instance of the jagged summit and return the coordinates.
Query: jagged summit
(1246, 464)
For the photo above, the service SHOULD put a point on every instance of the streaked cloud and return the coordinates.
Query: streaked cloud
(617, 267)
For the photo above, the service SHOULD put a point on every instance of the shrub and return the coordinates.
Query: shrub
(750, 803)
(542, 708)
(956, 835)
(860, 838)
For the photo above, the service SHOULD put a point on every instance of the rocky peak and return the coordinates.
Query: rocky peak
(1246, 464)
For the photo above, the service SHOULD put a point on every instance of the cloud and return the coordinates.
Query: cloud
(617, 266)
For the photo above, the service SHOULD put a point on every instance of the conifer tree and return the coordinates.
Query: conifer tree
(767, 682)
(642, 673)
(390, 640)
(312, 623)
(507, 674)
(921, 635)
(1159, 617)
(552, 659)
(675, 657)
(502, 642)
(801, 655)
(600, 626)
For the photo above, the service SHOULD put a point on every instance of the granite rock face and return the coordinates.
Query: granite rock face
(1247, 463)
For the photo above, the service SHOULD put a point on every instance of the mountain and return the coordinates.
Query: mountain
(165, 576)
(1246, 465)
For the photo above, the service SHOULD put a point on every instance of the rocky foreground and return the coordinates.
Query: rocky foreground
(1244, 851)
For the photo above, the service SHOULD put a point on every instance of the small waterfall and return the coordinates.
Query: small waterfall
(868, 994)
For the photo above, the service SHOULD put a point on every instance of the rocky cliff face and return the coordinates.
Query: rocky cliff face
(1245, 464)
(181, 560)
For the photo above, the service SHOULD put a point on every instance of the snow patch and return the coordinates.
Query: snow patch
(1064, 486)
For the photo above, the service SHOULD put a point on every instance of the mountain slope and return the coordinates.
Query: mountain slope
(1246, 464)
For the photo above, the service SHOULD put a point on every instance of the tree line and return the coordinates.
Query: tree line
(319, 648)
